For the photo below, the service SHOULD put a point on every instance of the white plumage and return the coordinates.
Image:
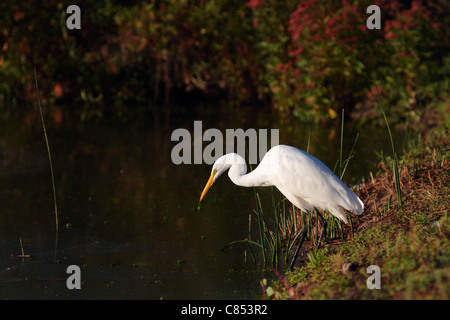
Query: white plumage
(303, 179)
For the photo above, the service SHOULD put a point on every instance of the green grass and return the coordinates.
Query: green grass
(413, 264)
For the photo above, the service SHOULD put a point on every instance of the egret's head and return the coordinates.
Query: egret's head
(220, 166)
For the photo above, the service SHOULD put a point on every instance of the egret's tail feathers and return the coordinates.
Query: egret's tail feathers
(338, 212)
(356, 206)
(353, 204)
(360, 208)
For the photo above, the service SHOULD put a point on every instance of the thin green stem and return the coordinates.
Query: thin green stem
(395, 164)
(48, 151)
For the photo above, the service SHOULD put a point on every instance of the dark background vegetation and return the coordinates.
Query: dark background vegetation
(305, 58)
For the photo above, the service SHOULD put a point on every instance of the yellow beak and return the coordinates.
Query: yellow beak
(208, 184)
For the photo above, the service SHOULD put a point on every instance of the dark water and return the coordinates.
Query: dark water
(129, 217)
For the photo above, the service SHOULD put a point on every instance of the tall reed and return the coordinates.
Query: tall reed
(395, 163)
(48, 150)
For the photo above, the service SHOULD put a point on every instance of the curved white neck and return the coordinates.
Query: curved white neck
(238, 170)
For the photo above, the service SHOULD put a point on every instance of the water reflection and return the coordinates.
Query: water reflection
(129, 217)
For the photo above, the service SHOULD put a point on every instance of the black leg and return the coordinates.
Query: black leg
(303, 234)
(324, 227)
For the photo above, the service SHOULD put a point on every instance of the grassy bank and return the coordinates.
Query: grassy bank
(409, 243)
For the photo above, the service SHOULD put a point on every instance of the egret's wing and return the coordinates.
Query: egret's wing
(308, 178)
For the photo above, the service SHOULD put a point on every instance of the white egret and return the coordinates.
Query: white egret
(303, 179)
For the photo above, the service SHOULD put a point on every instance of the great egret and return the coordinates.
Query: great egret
(303, 179)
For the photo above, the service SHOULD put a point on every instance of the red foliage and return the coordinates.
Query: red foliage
(255, 3)
(389, 36)
(331, 46)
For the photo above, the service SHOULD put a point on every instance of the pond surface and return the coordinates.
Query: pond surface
(129, 217)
